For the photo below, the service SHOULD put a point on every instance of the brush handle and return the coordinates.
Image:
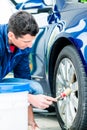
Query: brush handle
(58, 97)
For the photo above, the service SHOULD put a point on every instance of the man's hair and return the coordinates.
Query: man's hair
(22, 23)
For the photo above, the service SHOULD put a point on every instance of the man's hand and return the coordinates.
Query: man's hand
(41, 101)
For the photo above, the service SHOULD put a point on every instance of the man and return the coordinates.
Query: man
(16, 39)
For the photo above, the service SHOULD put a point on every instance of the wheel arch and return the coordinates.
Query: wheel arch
(59, 44)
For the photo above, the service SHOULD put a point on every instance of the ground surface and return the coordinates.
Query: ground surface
(46, 120)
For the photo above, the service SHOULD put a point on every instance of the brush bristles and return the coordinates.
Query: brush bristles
(67, 91)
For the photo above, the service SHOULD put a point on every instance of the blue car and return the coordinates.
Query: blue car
(59, 56)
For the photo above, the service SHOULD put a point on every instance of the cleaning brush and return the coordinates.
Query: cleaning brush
(64, 94)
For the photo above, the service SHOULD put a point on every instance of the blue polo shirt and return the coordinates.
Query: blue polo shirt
(17, 61)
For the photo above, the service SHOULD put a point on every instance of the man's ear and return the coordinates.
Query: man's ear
(10, 35)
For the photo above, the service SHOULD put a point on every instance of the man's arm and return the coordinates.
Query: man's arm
(41, 101)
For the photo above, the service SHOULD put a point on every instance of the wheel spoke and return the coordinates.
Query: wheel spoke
(74, 101)
(74, 86)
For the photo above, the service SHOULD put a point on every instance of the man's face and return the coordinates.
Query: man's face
(22, 42)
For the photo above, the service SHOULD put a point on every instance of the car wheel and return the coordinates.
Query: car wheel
(70, 73)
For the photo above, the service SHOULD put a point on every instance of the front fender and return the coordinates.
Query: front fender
(76, 35)
(79, 35)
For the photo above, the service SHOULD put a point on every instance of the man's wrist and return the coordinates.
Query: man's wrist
(29, 98)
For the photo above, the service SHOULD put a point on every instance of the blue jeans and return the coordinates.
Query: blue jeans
(34, 87)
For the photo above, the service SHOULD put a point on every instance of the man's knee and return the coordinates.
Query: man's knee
(36, 87)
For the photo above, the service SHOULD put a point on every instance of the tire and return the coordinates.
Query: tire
(70, 73)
